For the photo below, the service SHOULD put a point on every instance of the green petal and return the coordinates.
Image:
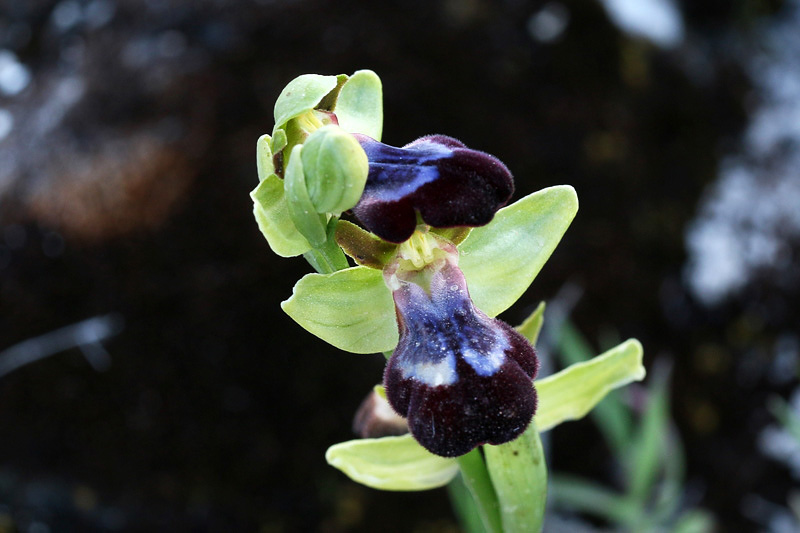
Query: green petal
(300, 95)
(392, 463)
(272, 215)
(573, 392)
(351, 309)
(359, 108)
(501, 259)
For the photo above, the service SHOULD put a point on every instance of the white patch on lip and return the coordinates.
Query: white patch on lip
(432, 374)
(486, 364)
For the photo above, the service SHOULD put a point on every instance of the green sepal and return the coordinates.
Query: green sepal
(359, 107)
(532, 326)
(501, 259)
(364, 247)
(573, 392)
(271, 212)
(351, 309)
(391, 463)
(306, 219)
(302, 94)
(264, 163)
(335, 169)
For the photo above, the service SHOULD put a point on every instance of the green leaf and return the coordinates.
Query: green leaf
(532, 325)
(359, 107)
(351, 309)
(264, 158)
(573, 392)
(307, 221)
(588, 497)
(300, 95)
(392, 463)
(519, 475)
(501, 259)
(648, 445)
(272, 215)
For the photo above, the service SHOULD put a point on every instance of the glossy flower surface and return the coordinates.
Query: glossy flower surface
(461, 378)
(436, 176)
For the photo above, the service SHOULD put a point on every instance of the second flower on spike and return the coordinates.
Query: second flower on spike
(461, 378)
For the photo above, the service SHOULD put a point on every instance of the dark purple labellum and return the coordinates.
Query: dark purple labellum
(460, 377)
(437, 176)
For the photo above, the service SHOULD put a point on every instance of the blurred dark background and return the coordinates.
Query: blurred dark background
(127, 136)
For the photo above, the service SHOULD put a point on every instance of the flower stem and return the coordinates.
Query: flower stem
(328, 258)
(477, 480)
(518, 472)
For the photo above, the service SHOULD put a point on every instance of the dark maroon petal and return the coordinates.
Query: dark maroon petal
(461, 378)
(436, 176)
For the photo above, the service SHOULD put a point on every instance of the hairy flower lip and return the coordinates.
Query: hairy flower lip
(461, 378)
(436, 176)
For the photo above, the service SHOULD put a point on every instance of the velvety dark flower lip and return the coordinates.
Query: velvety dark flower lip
(461, 378)
(436, 176)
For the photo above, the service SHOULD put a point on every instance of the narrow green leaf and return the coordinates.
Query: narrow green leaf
(392, 463)
(532, 326)
(573, 392)
(351, 309)
(307, 221)
(519, 475)
(264, 158)
(501, 259)
(272, 215)
(648, 445)
(584, 496)
(359, 107)
(300, 95)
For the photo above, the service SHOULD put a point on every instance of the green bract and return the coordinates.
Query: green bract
(566, 395)
(392, 463)
(499, 261)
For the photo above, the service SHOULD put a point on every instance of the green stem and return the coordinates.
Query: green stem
(477, 480)
(327, 258)
(519, 474)
(464, 506)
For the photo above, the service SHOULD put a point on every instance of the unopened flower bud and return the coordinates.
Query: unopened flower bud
(335, 168)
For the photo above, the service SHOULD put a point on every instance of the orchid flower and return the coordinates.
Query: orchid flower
(438, 255)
